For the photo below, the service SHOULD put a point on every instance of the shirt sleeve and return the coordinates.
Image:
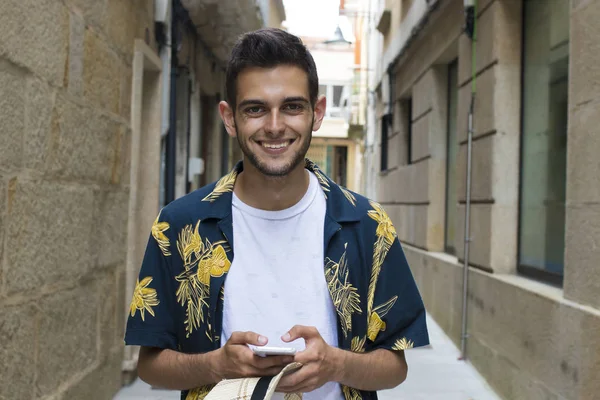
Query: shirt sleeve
(150, 322)
(397, 318)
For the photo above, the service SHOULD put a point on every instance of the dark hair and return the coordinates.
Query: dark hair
(268, 48)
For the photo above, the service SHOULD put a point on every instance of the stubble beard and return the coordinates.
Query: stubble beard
(281, 172)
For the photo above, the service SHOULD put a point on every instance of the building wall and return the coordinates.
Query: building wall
(65, 90)
(530, 340)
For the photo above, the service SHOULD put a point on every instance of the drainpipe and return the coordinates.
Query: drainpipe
(470, 22)
(172, 135)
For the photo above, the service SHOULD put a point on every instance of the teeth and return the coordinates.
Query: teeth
(276, 146)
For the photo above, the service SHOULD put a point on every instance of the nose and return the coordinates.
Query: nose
(275, 124)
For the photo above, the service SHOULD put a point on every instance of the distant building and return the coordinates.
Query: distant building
(337, 146)
(534, 295)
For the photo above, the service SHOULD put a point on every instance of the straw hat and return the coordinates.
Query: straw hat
(252, 388)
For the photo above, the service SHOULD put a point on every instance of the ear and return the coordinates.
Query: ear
(319, 112)
(228, 118)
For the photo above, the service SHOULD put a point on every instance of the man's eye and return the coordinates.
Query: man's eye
(293, 107)
(254, 110)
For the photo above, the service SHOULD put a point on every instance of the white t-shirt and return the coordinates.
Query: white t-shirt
(277, 276)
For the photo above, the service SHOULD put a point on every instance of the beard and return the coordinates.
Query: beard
(277, 171)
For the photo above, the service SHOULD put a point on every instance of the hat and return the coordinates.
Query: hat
(252, 388)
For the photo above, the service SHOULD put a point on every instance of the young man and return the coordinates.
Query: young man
(308, 263)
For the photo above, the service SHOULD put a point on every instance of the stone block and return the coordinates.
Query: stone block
(110, 213)
(423, 92)
(108, 309)
(405, 224)
(419, 182)
(420, 225)
(498, 39)
(92, 11)
(121, 311)
(584, 54)
(40, 100)
(12, 104)
(394, 156)
(126, 157)
(590, 357)
(48, 234)
(126, 85)
(483, 112)
(101, 72)
(17, 335)
(481, 229)
(481, 170)
(35, 35)
(582, 233)
(539, 335)
(504, 238)
(127, 21)
(436, 193)
(101, 383)
(3, 206)
(68, 335)
(583, 146)
(509, 381)
(75, 67)
(420, 138)
(84, 145)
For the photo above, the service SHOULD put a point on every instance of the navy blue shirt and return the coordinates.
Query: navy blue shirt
(178, 299)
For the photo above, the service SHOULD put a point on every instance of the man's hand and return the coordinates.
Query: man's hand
(236, 360)
(320, 362)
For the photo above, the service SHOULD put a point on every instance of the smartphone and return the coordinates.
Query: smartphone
(264, 351)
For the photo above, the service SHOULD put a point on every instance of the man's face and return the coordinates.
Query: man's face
(273, 119)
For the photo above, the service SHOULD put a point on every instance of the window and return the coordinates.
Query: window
(451, 157)
(336, 96)
(386, 126)
(544, 139)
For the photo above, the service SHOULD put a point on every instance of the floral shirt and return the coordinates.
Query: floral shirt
(178, 299)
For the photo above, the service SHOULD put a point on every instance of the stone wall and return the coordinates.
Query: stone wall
(530, 340)
(65, 93)
(582, 274)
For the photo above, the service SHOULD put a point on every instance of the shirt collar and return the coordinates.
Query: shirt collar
(341, 203)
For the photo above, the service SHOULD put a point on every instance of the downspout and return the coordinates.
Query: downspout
(470, 30)
(172, 135)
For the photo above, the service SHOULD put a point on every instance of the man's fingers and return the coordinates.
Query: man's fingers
(252, 338)
(290, 383)
(300, 331)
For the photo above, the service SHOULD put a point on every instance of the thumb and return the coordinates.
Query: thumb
(300, 331)
(251, 338)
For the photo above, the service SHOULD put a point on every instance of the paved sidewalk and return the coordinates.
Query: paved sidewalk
(434, 374)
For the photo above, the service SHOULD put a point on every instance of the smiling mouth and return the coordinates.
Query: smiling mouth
(279, 144)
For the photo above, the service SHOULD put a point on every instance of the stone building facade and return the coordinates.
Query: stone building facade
(84, 115)
(533, 309)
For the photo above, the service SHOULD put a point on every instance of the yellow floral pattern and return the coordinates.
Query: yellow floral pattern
(199, 393)
(323, 181)
(386, 234)
(358, 344)
(144, 298)
(345, 296)
(349, 196)
(224, 185)
(201, 261)
(403, 344)
(158, 232)
(376, 323)
(351, 393)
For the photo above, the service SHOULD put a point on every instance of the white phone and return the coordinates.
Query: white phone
(264, 351)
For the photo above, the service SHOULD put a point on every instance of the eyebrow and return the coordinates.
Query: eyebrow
(262, 103)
